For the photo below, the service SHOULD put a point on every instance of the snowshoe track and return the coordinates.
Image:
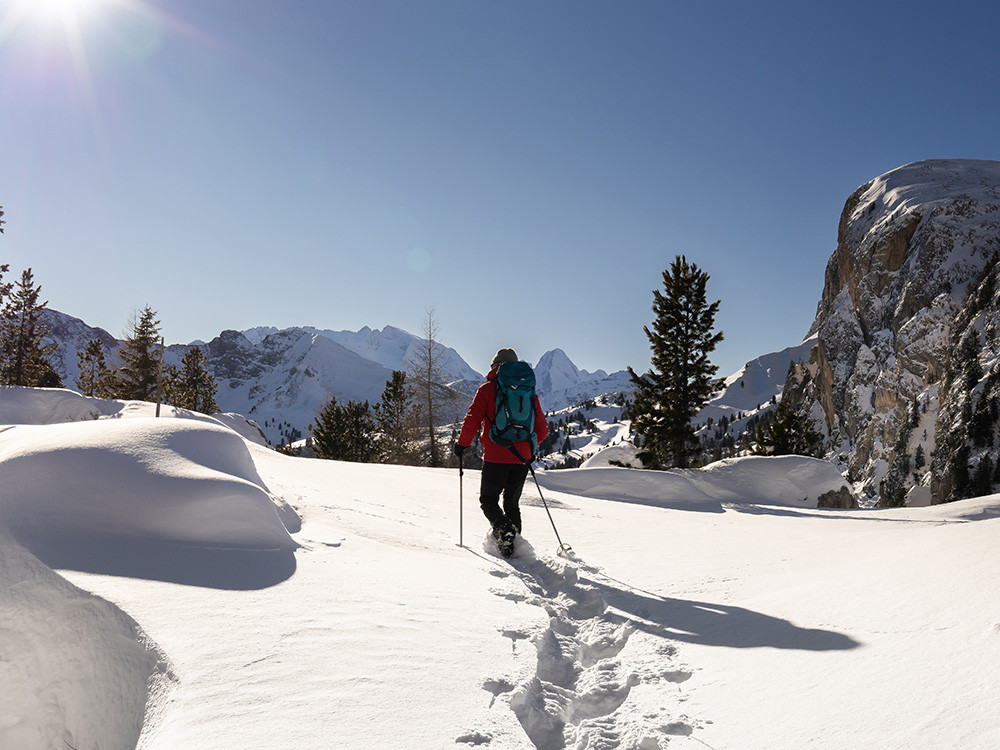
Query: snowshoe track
(584, 673)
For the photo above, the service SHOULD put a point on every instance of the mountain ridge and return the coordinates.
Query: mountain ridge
(281, 378)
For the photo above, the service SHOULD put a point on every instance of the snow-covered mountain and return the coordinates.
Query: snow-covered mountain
(284, 380)
(281, 378)
(390, 347)
(560, 384)
(71, 335)
(756, 383)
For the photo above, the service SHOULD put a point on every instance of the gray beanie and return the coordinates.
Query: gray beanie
(504, 355)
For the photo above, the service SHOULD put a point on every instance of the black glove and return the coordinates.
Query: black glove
(459, 449)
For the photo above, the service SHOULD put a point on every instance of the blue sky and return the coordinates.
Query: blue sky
(235, 163)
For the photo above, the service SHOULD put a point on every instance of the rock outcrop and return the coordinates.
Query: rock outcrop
(911, 246)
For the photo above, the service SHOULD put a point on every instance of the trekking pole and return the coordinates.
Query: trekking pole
(460, 473)
(564, 549)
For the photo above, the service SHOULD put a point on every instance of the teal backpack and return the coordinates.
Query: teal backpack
(515, 415)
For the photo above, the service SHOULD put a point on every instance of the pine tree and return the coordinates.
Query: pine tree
(195, 387)
(345, 433)
(394, 421)
(982, 478)
(95, 377)
(138, 375)
(960, 478)
(4, 288)
(23, 356)
(681, 379)
(969, 360)
(788, 434)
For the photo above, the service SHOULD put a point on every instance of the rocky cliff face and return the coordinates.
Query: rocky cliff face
(910, 245)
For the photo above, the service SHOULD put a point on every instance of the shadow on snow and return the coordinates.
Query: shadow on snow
(157, 560)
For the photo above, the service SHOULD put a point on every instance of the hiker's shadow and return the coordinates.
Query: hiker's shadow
(716, 624)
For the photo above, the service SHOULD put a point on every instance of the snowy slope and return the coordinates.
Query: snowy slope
(756, 383)
(727, 624)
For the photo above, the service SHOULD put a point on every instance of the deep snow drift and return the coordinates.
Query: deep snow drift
(701, 609)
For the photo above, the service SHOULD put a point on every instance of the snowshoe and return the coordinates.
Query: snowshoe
(504, 536)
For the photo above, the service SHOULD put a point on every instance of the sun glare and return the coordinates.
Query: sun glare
(63, 10)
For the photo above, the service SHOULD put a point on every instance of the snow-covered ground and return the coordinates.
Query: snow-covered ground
(192, 608)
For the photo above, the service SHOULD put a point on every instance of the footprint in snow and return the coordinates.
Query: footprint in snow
(580, 679)
(474, 738)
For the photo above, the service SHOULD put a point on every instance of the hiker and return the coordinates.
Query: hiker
(505, 467)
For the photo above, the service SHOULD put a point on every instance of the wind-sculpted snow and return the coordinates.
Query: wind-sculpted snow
(797, 481)
(168, 480)
(58, 405)
(75, 671)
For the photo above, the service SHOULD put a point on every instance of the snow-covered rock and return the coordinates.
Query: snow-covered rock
(910, 243)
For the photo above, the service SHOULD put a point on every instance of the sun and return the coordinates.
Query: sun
(45, 15)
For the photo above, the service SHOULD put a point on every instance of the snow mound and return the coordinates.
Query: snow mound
(665, 489)
(163, 479)
(76, 670)
(59, 405)
(51, 406)
(796, 481)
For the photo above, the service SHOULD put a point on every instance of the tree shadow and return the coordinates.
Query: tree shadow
(157, 560)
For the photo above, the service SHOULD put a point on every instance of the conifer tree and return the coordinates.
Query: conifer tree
(96, 379)
(982, 478)
(23, 356)
(4, 288)
(195, 387)
(788, 434)
(345, 433)
(393, 419)
(681, 379)
(138, 375)
(960, 473)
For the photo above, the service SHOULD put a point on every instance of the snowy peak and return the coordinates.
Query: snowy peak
(555, 370)
(72, 335)
(561, 384)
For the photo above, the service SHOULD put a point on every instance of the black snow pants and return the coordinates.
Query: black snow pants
(505, 479)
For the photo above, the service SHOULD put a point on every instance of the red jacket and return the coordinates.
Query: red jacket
(482, 413)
